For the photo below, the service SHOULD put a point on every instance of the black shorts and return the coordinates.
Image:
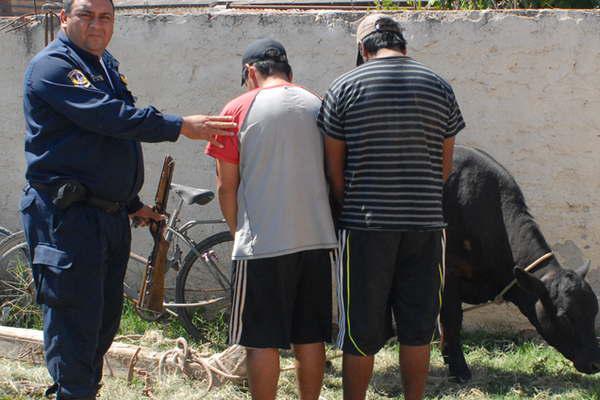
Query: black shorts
(380, 272)
(282, 300)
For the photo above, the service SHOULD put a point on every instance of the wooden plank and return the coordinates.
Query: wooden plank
(27, 345)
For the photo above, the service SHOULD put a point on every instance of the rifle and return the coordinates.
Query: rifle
(152, 292)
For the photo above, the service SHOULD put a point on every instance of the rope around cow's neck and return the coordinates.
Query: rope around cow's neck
(499, 299)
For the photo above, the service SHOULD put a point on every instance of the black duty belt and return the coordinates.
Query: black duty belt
(65, 194)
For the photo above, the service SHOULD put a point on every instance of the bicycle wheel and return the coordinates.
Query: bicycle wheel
(17, 290)
(204, 284)
(4, 232)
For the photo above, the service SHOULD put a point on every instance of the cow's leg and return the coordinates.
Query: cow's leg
(451, 324)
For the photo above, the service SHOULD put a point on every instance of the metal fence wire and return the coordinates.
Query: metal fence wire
(48, 12)
(18, 8)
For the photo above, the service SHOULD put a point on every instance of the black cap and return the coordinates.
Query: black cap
(263, 50)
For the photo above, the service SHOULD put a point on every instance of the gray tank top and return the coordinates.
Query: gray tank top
(283, 202)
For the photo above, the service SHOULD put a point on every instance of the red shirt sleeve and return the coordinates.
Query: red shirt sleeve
(238, 109)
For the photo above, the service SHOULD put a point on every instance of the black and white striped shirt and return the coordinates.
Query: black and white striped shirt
(394, 114)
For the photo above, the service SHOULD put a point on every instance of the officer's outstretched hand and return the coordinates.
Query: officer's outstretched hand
(143, 216)
(208, 127)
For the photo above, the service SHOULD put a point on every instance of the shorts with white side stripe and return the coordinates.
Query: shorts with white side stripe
(381, 274)
(283, 300)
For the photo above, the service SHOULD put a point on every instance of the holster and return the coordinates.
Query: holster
(66, 193)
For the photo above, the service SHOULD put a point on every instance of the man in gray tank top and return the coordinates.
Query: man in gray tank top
(273, 194)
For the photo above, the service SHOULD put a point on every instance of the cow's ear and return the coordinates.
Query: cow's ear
(583, 270)
(529, 282)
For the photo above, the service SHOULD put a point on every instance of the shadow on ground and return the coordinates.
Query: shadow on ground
(503, 366)
(491, 382)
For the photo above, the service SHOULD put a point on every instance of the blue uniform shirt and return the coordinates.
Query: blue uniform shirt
(83, 127)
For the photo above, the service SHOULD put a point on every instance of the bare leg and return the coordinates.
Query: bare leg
(356, 372)
(263, 372)
(310, 367)
(414, 366)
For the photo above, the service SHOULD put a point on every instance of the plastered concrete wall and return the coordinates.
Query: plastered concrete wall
(528, 84)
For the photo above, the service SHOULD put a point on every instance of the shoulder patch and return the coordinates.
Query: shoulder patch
(123, 79)
(78, 78)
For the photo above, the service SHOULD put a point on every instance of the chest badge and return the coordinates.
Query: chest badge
(123, 79)
(78, 78)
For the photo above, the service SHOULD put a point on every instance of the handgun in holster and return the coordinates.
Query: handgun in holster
(68, 193)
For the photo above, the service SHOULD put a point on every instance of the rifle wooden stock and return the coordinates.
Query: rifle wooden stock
(152, 292)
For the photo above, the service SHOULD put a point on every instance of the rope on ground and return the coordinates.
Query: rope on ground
(147, 391)
(132, 361)
(228, 364)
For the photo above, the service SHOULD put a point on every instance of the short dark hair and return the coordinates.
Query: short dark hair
(68, 5)
(270, 67)
(384, 40)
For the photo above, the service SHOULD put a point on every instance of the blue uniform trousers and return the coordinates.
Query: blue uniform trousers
(79, 257)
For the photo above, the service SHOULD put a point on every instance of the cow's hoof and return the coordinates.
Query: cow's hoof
(460, 374)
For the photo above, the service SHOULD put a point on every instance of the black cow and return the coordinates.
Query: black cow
(491, 238)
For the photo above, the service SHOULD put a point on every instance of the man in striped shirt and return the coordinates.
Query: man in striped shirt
(389, 128)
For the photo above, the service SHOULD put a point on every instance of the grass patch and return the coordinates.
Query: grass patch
(132, 324)
(504, 366)
(17, 303)
(215, 330)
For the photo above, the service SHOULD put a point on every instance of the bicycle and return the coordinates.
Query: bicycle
(202, 282)
(202, 279)
(4, 232)
(17, 292)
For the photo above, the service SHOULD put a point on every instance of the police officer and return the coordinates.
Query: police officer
(84, 172)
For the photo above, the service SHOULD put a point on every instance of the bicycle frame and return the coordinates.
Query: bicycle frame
(192, 244)
(181, 233)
